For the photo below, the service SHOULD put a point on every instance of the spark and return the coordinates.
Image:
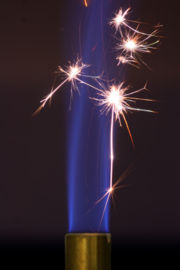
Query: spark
(122, 59)
(117, 186)
(127, 60)
(132, 46)
(109, 193)
(118, 100)
(85, 3)
(119, 20)
(73, 73)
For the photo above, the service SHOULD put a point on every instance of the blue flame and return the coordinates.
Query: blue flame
(88, 140)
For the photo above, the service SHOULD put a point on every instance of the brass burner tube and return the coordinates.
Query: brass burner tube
(88, 251)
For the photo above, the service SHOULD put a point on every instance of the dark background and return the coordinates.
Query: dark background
(145, 217)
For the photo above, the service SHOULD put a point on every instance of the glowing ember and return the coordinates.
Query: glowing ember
(85, 3)
(130, 45)
(74, 72)
(127, 60)
(122, 59)
(114, 99)
(119, 18)
(110, 190)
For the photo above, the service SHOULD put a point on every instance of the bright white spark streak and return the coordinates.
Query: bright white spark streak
(111, 149)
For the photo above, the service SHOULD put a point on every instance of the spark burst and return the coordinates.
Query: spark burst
(73, 73)
(133, 44)
(119, 21)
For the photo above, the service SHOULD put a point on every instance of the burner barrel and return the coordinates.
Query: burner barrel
(88, 251)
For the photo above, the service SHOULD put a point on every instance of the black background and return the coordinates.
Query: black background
(145, 220)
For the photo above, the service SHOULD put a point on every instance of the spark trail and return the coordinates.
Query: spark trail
(85, 3)
(118, 100)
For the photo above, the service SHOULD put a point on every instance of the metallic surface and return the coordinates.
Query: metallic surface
(88, 251)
